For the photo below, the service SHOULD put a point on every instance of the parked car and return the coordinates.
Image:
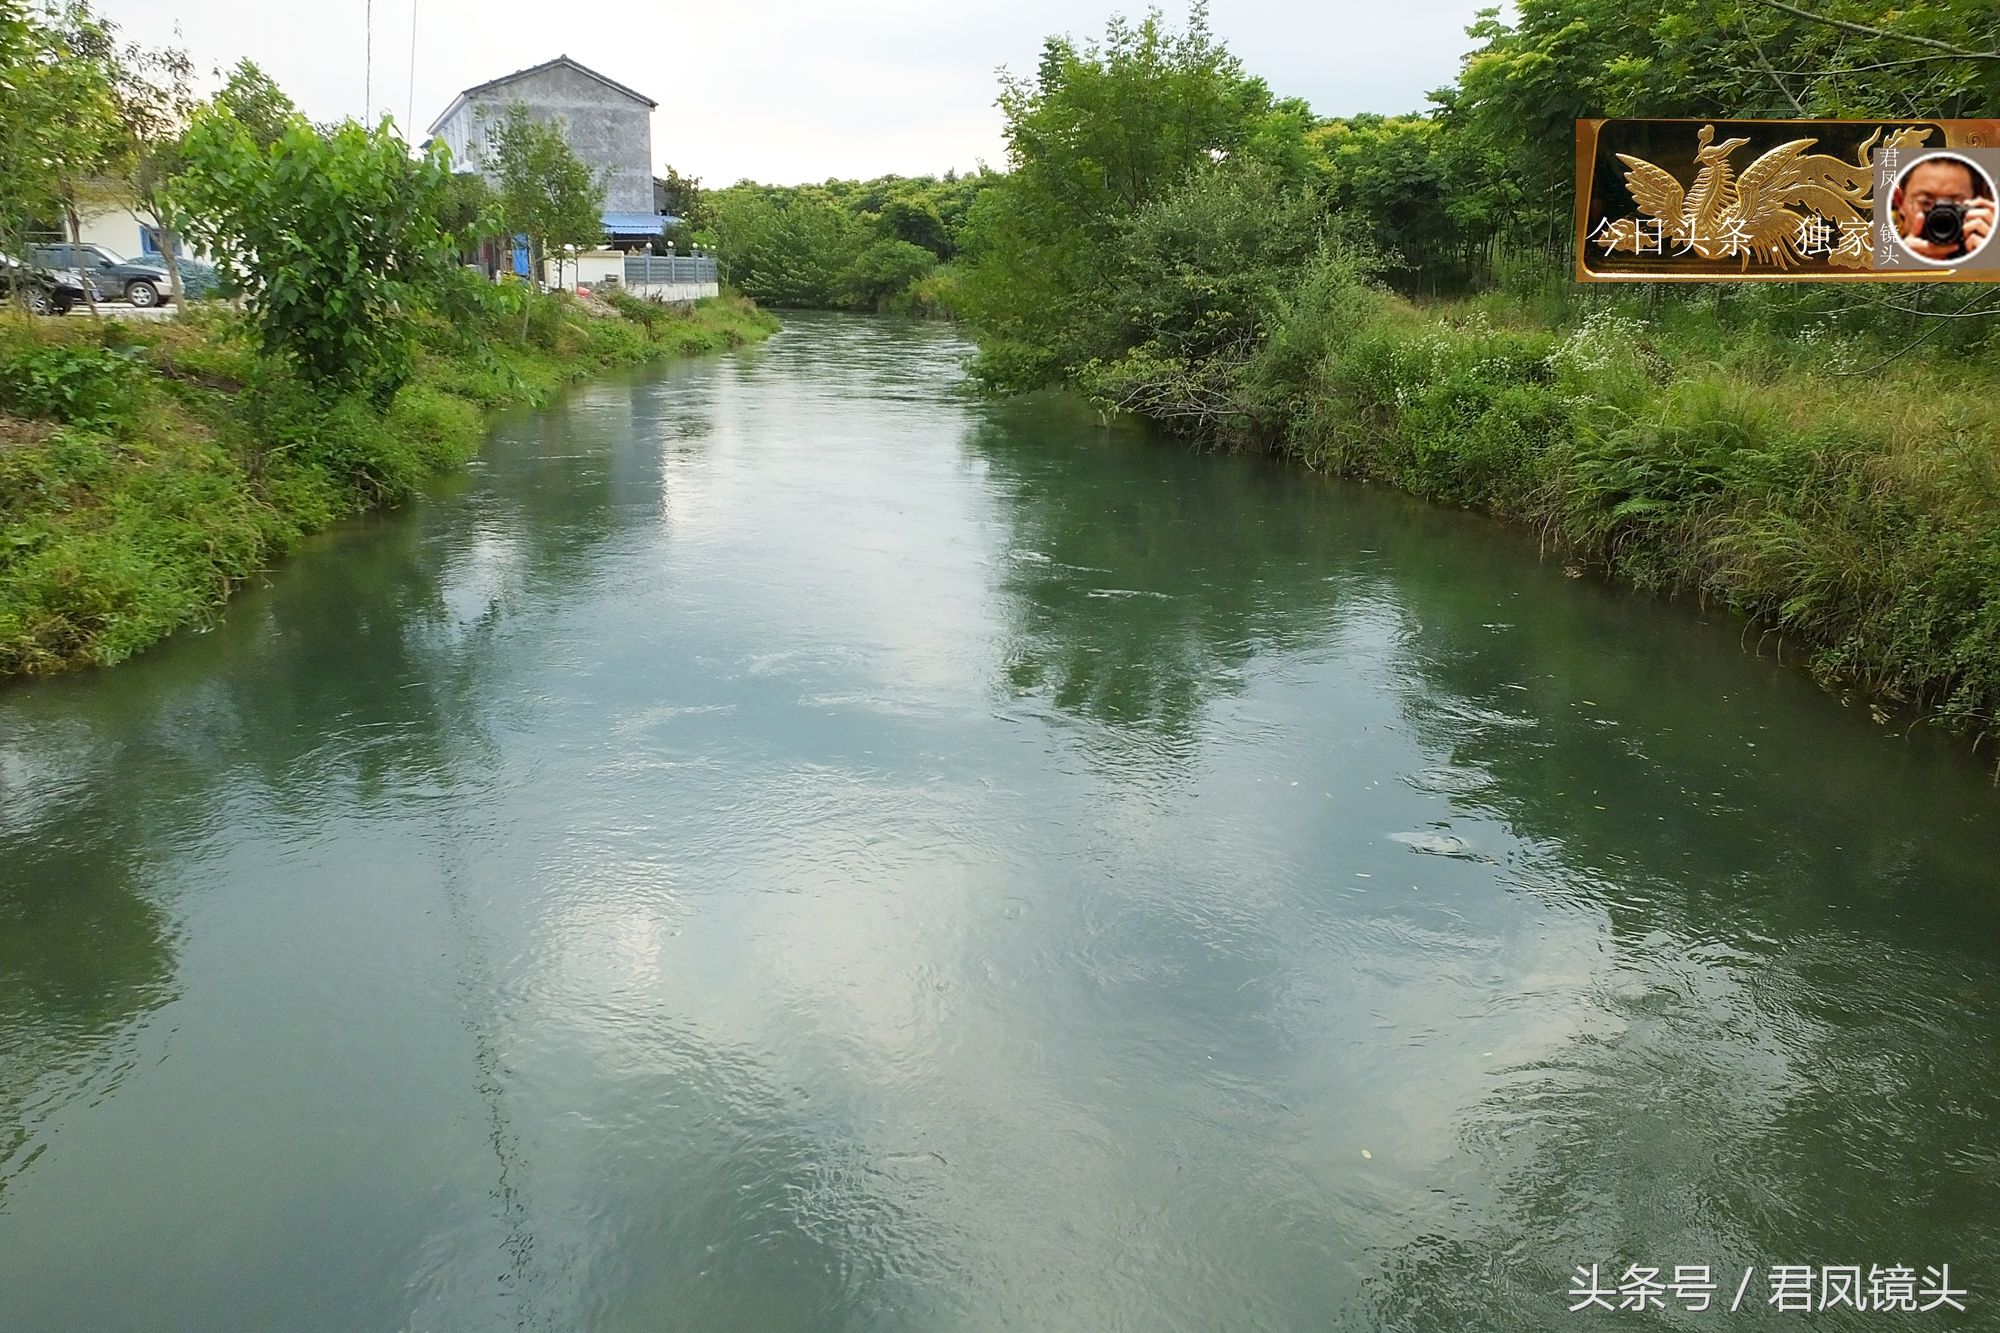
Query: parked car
(199, 279)
(46, 293)
(143, 282)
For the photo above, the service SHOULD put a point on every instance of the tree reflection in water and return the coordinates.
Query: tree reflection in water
(1785, 1053)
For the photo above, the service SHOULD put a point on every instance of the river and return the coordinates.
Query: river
(782, 843)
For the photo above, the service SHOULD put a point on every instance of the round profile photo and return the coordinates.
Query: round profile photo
(1943, 208)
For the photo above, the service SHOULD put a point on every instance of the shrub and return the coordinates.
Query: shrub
(334, 234)
(299, 426)
(638, 309)
(85, 385)
(882, 275)
(933, 296)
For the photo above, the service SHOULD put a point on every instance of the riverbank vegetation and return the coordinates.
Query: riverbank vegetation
(888, 246)
(1389, 298)
(148, 469)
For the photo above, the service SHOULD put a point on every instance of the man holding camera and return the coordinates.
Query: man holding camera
(1940, 211)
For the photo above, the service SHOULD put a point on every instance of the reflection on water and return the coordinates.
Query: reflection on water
(77, 967)
(783, 843)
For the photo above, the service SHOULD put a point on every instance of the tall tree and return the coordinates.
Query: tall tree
(253, 100)
(58, 119)
(1097, 133)
(27, 194)
(334, 235)
(786, 247)
(1558, 61)
(155, 102)
(545, 192)
(682, 197)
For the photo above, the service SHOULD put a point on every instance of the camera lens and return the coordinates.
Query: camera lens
(1944, 224)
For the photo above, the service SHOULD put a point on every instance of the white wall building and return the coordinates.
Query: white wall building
(119, 228)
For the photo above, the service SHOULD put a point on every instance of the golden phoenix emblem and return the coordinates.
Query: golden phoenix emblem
(1787, 206)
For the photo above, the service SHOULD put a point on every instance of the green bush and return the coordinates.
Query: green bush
(335, 234)
(71, 383)
(342, 436)
(637, 309)
(933, 296)
(882, 275)
(110, 544)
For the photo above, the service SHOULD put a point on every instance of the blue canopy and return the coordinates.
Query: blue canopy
(626, 224)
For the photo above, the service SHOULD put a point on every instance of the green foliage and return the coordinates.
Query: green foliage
(341, 438)
(1559, 60)
(915, 220)
(1099, 133)
(786, 248)
(846, 245)
(1208, 267)
(1208, 261)
(77, 384)
(1282, 385)
(1430, 201)
(256, 103)
(58, 114)
(334, 235)
(174, 461)
(1474, 191)
(682, 197)
(882, 274)
(470, 207)
(933, 296)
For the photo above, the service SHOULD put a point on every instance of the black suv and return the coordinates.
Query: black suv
(46, 293)
(142, 282)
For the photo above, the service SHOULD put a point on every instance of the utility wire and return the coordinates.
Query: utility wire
(410, 133)
(1978, 298)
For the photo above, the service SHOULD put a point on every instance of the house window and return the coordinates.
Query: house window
(149, 242)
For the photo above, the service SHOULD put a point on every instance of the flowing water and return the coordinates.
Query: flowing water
(783, 844)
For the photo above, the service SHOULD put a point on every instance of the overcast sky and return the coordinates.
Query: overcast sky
(790, 90)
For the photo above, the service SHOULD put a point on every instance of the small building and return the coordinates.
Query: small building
(607, 125)
(108, 216)
(119, 228)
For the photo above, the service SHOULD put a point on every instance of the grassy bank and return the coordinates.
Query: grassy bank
(1811, 471)
(148, 469)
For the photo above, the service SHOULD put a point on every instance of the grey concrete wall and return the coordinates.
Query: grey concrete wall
(603, 127)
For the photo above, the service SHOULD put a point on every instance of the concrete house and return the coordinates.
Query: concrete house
(608, 126)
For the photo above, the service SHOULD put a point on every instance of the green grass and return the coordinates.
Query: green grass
(1753, 461)
(148, 470)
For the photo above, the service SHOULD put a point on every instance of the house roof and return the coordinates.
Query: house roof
(505, 79)
(648, 223)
